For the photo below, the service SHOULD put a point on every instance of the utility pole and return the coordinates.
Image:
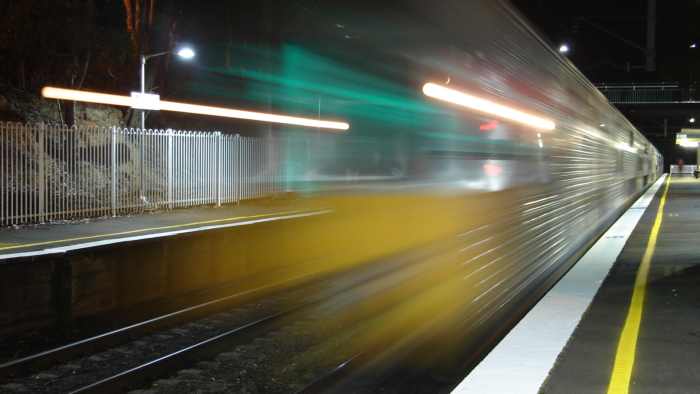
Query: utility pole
(665, 127)
(649, 50)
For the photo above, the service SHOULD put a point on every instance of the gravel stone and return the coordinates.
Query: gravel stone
(15, 387)
(180, 331)
(208, 365)
(191, 372)
(167, 382)
(45, 375)
(228, 356)
(70, 367)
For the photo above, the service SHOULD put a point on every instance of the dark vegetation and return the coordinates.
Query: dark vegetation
(90, 44)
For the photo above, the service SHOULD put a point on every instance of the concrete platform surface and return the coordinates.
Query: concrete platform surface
(665, 355)
(46, 239)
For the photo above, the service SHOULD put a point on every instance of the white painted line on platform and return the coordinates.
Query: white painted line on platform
(521, 362)
(111, 241)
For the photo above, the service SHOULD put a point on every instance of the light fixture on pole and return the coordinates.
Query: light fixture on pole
(691, 120)
(693, 45)
(564, 48)
(185, 53)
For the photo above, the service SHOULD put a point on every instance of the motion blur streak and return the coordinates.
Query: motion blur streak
(84, 96)
(488, 126)
(127, 101)
(482, 105)
(492, 169)
(626, 148)
(239, 114)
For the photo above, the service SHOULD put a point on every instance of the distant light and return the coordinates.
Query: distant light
(488, 126)
(489, 107)
(691, 120)
(186, 53)
(563, 48)
(693, 45)
(602, 125)
(491, 169)
(127, 101)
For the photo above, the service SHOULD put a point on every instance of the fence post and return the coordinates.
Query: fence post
(219, 141)
(42, 175)
(114, 171)
(170, 169)
(239, 182)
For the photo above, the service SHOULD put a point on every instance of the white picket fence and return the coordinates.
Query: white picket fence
(58, 173)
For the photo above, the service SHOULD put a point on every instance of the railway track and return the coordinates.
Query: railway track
(138, 355)
(111, 338)
(319, 349)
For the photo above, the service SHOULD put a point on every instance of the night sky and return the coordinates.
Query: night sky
(604, 57)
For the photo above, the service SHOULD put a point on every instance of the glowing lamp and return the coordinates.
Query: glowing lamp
(186, 53)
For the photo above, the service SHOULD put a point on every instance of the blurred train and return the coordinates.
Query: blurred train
(466, 130)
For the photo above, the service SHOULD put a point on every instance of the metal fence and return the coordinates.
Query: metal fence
(59, 173)
(648, 94)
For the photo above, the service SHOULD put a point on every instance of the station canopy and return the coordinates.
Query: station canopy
(688, 137)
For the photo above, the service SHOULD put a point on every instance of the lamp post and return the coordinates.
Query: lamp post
(185, 53)
(691, 83)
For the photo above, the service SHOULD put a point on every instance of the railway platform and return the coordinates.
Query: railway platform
(623, 320)
(54, 239)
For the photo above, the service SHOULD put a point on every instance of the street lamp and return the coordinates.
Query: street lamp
(691, 120)
(693, 45)
(563, 48)
(185, 53)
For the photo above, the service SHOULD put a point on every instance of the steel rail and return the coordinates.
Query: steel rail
(118, 336)
(209, 347)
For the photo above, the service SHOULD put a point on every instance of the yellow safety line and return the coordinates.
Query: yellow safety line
(627, 345)
(230, 219)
